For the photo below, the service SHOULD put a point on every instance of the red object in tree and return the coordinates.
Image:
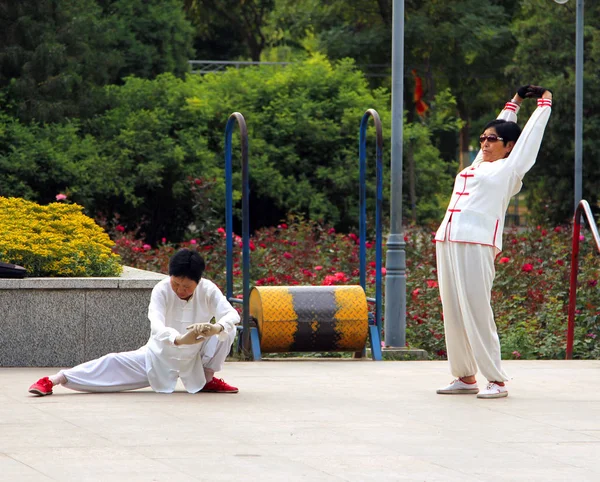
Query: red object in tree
(420, 106)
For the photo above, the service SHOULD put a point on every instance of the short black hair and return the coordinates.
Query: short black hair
(188, 264)
(508, 130)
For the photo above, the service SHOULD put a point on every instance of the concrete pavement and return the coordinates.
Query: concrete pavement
(310, 421)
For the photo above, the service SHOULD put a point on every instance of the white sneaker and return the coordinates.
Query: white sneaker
(458, 387)
(493, 390)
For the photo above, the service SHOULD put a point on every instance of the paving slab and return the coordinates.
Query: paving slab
(310, 420)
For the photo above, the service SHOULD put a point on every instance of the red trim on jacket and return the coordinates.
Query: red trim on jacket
(453, 210)
(544, 102)
(495, 233)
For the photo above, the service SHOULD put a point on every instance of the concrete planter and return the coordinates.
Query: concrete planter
(66, 321)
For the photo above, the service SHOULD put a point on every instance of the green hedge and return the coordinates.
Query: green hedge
(137, 159)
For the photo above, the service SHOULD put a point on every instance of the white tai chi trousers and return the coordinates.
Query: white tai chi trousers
(465, 275)
(117, 372)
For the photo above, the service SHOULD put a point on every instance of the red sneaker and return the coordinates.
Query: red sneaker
(218, 385)
(42, 387)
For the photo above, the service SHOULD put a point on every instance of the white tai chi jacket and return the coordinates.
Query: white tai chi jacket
(483, 190)
(169, 316)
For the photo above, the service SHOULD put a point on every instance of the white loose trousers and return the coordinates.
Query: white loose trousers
(118, 372)
(465, 275)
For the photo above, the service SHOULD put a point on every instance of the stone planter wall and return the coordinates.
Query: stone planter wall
(65, 321)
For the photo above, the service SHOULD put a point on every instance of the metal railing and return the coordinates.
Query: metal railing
(237, 118)
(362, 150)
(582, 208)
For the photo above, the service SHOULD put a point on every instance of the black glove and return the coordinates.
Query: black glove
(536, 91)
(522, 91)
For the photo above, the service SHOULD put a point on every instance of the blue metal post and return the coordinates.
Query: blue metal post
(378, 207)
(238, 118)
(362, 202)
(362, 148)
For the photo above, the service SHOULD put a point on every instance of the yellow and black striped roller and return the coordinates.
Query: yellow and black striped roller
(310, 318)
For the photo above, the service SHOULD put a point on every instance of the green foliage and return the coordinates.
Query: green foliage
(153, 36)
(231, 28)
(56, 55)
(54, 240)
(303, 149)
(303, 126)
(546, 55)
(151, 145)
(39, 162)
(138, 157)
(434, 177)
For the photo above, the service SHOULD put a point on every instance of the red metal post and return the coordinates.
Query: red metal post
(573, 282)
(582, 208)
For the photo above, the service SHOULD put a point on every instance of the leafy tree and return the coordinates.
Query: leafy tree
(230, 24)
(428, 177)
(357, 29)
(56, 54)
(456, 45)
(546, 55)
(303, 123)
(154, 36)
(449, 44)
(138, 158)
(53, 54)
(39, 162)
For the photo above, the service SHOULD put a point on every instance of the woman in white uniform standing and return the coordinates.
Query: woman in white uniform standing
(470, 238)
(183, 342)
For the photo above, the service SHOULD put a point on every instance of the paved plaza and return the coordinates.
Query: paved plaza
(315, 420)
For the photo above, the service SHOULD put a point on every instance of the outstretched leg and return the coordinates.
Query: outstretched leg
(114, 372)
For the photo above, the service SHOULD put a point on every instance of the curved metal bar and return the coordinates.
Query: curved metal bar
(362, 146)
(582, 208)
(238, 118)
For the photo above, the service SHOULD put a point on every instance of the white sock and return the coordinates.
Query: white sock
(209, 374)
(58, 379)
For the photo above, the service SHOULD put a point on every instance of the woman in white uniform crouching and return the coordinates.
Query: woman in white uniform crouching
(470, 238)
(183, 342)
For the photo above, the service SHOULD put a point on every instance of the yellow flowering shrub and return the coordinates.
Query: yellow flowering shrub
(54, 240)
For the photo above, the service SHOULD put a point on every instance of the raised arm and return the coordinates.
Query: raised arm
(511, 108)
(525, 152)
(509, 113)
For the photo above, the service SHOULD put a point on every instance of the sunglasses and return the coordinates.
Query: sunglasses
(490, 138)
